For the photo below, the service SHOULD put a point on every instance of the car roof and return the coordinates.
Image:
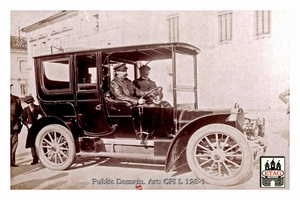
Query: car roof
(146, 52)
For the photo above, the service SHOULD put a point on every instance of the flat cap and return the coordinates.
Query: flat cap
(145, 67)
(120, 67)
(29, 99)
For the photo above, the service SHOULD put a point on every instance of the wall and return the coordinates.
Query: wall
(18, 66)
(249, 71)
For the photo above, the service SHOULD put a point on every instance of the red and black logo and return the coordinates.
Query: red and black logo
(272, 171)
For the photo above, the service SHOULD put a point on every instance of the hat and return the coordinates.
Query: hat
(145, 67)
(29, 99)
(121, 67)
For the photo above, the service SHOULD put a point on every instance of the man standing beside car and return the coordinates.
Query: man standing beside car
(15, 125)
(30, 115)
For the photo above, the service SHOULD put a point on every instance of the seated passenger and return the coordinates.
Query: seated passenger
(123, 89)
(105, 79)
(146, 84)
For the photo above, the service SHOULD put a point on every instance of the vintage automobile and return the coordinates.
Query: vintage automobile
(83, 118)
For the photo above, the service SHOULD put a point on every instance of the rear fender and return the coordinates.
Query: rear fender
(44, 121)
(176, 156)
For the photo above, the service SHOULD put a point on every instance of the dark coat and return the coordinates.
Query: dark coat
(147, 85)
(144, 84)
(123, 89)
(15, 114)
(29, 117)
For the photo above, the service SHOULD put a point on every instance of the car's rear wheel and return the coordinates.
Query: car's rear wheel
(55, 147)
(219, 154)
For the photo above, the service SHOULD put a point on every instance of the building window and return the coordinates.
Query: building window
(33, 49)
(56, 42)
(24, 89)
(23, 66)
(68, 39)
(225, 27)
(263, 23)
(173, 23)
(43, 45)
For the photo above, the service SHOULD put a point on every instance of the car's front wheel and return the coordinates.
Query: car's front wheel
(219, 154)
(55, 147)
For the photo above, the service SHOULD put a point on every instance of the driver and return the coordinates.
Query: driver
(146, 84)
(123, 89)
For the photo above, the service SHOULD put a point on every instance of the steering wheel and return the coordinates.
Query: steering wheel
(155, 95)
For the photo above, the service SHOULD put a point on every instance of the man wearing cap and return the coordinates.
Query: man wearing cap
(146, 84)
(30, 115)
(123, 89)
(15, 125)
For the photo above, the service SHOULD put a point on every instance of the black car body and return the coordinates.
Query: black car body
(82, 117)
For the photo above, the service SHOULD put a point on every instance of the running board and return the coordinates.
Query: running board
(131, 142)
(120, 147)
(124, 155)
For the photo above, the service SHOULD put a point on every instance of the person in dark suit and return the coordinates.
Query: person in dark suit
(30, 115)
(15, 125)
(146, 84)
(123, 89)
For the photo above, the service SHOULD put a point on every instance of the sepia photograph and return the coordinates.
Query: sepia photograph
(150, 99)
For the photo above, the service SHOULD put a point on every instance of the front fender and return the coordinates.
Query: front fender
(176, 156)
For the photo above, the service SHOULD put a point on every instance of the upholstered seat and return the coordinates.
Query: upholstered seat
(115, 106)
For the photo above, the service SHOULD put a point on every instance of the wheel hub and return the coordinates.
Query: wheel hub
(218, 155)
(55, 147)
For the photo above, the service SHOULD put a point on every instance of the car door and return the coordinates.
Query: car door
(89, 103)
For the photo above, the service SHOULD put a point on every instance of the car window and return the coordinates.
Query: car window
(86, 72)
(56, 75)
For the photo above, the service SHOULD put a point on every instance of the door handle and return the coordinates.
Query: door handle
(98, 107)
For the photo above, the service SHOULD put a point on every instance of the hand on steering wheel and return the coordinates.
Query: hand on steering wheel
(154, 95)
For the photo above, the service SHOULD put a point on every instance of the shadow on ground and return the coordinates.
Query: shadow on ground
(32, 184)
(24, 166)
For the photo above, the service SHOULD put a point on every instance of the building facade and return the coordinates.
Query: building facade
(244, 54)
(19, 68)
